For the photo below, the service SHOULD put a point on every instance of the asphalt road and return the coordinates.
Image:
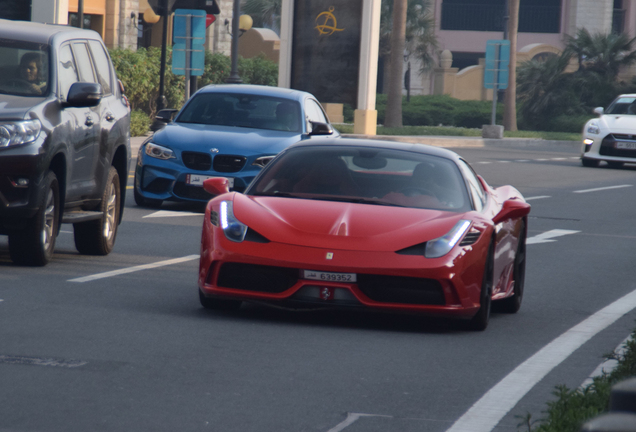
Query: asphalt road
(132, 350)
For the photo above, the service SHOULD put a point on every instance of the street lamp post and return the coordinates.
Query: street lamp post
(161, 99)
(234, 77)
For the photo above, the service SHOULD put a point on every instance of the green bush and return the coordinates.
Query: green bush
(139, 123)
(255, 70)
(434, 110)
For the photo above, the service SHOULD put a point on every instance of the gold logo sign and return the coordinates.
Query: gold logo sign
(329, 25)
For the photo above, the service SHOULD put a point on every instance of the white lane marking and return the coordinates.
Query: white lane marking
(602, 188)
(538, 197)
(522, 160)
(134, 269)
(608, 365)
(486, 413)
(504, 161)
(542, 160)
(484, 162)
(547, 236)
(169, 213)
(559, 159)
(351, 418)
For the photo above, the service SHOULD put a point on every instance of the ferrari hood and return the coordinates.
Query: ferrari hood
(620, 123)
(226, 139)
(340, 225)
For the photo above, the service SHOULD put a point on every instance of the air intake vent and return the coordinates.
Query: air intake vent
(228, 163)
(470, 238)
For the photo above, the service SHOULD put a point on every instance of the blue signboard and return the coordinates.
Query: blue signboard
(189, 36)
(497, 63)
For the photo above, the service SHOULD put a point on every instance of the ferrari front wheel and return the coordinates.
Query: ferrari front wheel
(513, 303)
(217, 303)
(480, 321)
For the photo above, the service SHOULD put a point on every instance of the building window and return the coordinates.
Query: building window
(144, 33)
(73, 20)
(15, 10)
(535, 16)
(618, 17)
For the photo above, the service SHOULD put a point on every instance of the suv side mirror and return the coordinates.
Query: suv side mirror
(318, 128)
(84, 94)
(162, 118)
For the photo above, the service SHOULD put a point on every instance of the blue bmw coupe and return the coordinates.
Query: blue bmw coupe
(228, 131)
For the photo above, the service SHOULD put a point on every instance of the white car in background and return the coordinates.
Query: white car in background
(612, 136)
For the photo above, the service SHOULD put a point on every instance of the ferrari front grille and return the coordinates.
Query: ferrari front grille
(252, 277)
(401, 289)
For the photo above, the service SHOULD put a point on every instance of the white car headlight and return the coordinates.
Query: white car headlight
(159, 152)
(441, 246)
(19, 132)
(593, 128)
(233, 229)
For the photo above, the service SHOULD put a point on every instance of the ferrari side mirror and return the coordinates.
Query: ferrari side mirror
(216, 185)
(512, 209)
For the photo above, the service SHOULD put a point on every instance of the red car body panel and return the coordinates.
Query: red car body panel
(363, 239)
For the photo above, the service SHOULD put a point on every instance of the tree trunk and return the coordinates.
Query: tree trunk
(393, 116)
(510, 105)
(386, 73)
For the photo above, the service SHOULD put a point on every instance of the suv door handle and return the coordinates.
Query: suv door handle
(89, 120)
(110, 117)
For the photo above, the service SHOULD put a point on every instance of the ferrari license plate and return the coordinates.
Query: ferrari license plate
(197, 180)
(626, 145)
(329, 276)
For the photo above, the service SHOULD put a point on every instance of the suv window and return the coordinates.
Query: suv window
(80, 49)
(24, 68)
(67, 71)
(102, 66)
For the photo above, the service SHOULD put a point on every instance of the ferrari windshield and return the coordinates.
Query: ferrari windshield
(24, 68)
(241, 110)
(623, 105)
(366, 175)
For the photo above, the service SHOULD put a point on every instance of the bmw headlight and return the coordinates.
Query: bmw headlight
(159, 152)
(234, 230)
(593, 128)
(19, 132)
(441, 246)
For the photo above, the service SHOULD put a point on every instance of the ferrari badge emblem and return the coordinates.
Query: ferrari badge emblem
(329, 255)
(326, 293)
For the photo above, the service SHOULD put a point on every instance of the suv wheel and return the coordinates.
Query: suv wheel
(97, 237)
(34, 245)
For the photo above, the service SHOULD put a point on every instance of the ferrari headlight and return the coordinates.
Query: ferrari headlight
(19, 132)
(441, 246)
(234, 230)
(593, 128)
(159, 152)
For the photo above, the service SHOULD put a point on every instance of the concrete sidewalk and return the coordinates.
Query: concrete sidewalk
(438, 141)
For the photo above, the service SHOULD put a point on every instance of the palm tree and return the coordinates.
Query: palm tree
(419, 34)
(601, 53)
(264, 13)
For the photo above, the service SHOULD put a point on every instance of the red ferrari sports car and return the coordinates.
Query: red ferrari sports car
(363, 223)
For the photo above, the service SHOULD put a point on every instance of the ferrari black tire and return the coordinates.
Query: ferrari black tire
(218, 304)
(97, 237)
(513, 303)
(34, 245)
(614, 164)
(590, 163)
(145, 202)
(480, 321)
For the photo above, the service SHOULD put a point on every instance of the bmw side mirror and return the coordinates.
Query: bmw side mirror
(598, 111)
(84, 94)
(512, 209)
(216, 185)
(318, 128)
(162, 118)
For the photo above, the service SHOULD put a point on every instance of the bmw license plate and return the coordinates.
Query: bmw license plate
(626, 145)
(197, 180)
(329, 276)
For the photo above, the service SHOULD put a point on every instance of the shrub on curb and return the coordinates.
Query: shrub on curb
(139, 123)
